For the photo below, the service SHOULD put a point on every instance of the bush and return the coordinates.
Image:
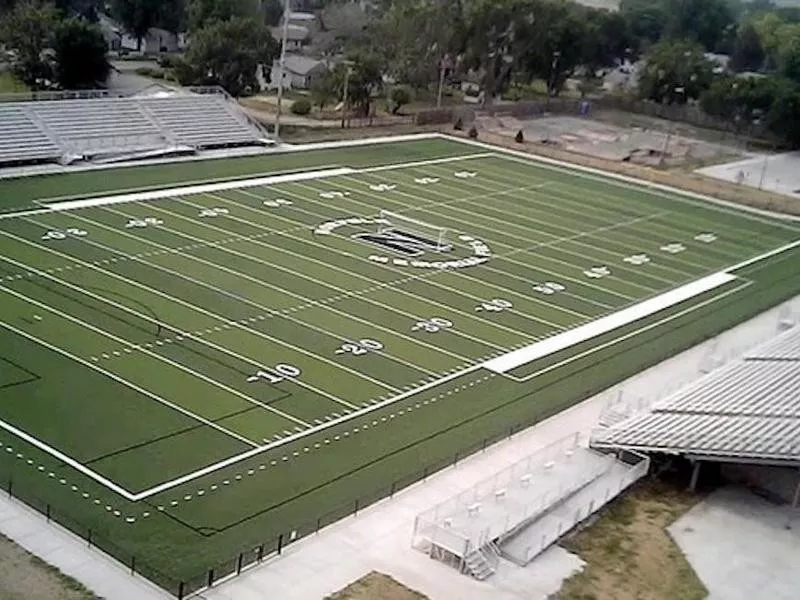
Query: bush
(398, 96)
(473, 133)
(167, 61)
(459, 124)
(144, 71)
(301, 107)
(157, 73)
(435, 116)
(183, 72)
(519, 138)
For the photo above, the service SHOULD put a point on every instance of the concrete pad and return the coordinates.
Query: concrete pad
(739, 546)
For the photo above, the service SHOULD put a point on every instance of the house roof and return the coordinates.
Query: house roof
(300, 65)
(294, 33)
(748, 410)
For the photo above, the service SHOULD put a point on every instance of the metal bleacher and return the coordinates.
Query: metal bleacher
(119, 128)
(200, 120)
(22, 140)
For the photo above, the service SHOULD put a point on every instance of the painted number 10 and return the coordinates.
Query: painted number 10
(278, 373)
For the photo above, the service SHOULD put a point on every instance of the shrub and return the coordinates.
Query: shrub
(459, 124)
(157, 73)
(435, 116)
(519, 138)
(398, 96)
(167, 61)
(144, 71)
(301, 107)
(473, 133)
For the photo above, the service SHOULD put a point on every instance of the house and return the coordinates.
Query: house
(719, 62)
(156, 41)
(300, 72)
(297, 36)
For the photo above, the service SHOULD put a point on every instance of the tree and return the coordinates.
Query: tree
(79, 55)
(205, 12)
(227, 53)
(706, 22)
(364, 79)
(136, 16)
(675, 71)
(272, 12)
(784, 115)
(748, 53)
(645, 19)
(27, 30)
(398, 97)
(322, 90)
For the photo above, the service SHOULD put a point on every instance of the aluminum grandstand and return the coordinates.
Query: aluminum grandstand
(105, 128)
(746, 412)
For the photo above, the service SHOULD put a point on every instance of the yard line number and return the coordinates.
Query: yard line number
(706, 238)
(426, 180)
(277, 203)
(382, 187)
(432, 325)
(597, 272)
(465, 174)
(276, 374)
(494, 305)
(360, 347)
(673, 248)
(333, 194)
(145, 222)
(214, 212)
(637, 259)
(548, 288)
(55, 234)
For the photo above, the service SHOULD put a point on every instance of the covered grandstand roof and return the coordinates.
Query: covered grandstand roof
(747, 411)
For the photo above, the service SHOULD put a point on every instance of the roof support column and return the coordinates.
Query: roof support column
(695, 475)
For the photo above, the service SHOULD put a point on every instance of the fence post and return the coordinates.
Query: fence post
(393, 490)
(210, 580)
(133, 565)
(455, 459)
(261, 553)
(47, 512)
(9, 487)
(239, 563)
(180, 591)
(318, 524)
(425, 474)
(355, 508)
(280, 543)
(89, 538)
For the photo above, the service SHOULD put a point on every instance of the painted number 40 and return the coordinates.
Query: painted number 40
(278, 373)
(432, 325)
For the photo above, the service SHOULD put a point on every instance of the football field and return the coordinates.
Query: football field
(195, 369)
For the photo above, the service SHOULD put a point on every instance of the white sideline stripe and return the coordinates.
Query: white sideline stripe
(564, 340)
(761, 257)
(256, 451)
(200, 189)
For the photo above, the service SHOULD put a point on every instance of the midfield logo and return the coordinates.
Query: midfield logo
(403, 242)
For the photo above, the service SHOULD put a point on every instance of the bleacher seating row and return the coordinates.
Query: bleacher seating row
(50, 130)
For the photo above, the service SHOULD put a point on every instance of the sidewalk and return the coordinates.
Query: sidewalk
(55, 545)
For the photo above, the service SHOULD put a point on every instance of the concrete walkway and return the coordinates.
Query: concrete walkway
(61, 548)
(379, 538)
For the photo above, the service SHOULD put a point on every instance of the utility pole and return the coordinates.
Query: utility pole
(345, 98)
(443, 65)
(552, 82)
(285, 34)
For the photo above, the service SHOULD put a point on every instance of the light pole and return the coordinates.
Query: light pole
(443, 65)
(282, 67)
(553, 66)
(347, 72)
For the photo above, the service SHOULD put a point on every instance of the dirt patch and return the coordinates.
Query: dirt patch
(628, 552)
(24, 576)
(376, 586)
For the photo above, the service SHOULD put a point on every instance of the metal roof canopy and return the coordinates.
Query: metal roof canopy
(747, 411)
